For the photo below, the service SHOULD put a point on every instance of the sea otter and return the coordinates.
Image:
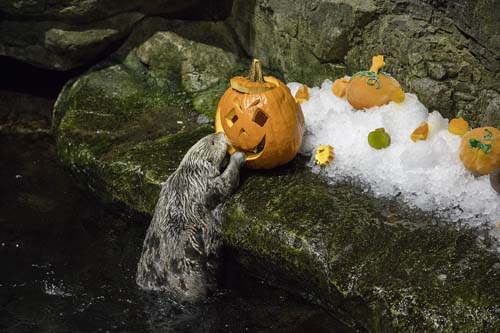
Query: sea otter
(180, 253)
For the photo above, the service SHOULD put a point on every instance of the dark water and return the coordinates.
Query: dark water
(67, 264)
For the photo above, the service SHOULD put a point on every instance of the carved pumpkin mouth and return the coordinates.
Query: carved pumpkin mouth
(252, 155)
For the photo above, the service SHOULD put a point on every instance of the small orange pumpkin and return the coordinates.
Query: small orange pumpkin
(373, 88)
(260, 116)
(339, 86)
(480, 150)
(302, 95)
(420, 133)
(458, 126)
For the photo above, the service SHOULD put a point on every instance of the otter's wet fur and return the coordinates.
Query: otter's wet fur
(180, 253)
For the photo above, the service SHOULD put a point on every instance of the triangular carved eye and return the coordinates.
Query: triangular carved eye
(231, 118)
(260, 118)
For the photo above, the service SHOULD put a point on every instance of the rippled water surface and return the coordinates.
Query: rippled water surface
(68, 264)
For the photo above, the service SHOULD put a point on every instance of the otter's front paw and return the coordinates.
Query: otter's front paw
(238, 158)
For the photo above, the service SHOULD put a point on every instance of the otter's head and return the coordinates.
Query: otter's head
(212, 149)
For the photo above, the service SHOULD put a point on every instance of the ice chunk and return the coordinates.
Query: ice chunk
(428, 174)
(436, 123)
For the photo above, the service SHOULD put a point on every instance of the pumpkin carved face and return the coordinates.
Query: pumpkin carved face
(260, 117)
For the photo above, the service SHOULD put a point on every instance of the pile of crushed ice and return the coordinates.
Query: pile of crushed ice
(425, 174)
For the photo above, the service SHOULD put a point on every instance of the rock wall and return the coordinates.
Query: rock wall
(63, 35)
(447, 52)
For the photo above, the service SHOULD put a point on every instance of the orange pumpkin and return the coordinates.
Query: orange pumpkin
(458, 126)
(339, 87)
(260, 116)
(373, 88)
(480, 150)
(420, 133)
(302, 95)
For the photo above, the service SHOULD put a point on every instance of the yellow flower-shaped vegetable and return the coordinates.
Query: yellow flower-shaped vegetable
(302, 95)
(379, 139)
(458, 126)
(324, 155)
(339, 87)
(420, 133)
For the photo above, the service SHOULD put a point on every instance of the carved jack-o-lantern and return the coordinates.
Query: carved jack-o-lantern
(260, 117)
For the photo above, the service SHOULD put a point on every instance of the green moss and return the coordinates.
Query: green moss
(334, 244)
(130, 174)
(124, 136)
(205, 102)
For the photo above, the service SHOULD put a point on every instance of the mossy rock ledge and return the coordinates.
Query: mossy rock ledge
(124, 126)
(370, 263)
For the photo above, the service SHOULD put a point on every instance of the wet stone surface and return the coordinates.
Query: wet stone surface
(387, 267)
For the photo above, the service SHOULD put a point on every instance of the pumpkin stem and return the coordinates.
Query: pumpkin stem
(377, 63)
(255, 74)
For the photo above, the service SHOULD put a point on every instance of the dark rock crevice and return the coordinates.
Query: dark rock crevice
(84, 12)
(25, 78)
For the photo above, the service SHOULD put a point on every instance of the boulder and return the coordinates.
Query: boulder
(64, 35)
(125, 125)
(62, 46)
(123, 136)
(77, 11)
